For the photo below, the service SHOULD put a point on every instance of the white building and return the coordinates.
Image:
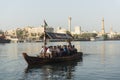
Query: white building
(112, 34)
(35, 32)
(61, 30)
(77, 30)
(29, 33)
(11, 32)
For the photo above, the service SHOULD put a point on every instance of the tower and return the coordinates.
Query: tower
(69, 23)
(111, 30)
(103, 29)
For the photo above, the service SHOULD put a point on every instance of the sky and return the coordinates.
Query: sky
(85, 13)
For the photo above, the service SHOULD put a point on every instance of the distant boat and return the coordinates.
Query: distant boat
(4, 40)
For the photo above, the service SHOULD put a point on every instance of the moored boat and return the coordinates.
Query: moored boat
(4, 40)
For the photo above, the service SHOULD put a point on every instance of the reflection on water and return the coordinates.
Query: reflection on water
(103, 48)
(8, 52)
(12, 52)
(60, 71)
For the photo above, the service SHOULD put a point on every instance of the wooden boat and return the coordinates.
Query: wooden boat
(32, 60)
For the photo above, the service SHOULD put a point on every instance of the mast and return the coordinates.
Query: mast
(45, 41)
(45, 24)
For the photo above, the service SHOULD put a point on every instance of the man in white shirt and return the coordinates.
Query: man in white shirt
(49, 51)
(42, 51)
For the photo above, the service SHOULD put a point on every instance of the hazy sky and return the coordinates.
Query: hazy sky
(85, 13)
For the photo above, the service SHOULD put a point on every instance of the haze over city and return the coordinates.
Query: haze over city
(85, 13)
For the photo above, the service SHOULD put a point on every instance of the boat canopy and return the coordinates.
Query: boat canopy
(51, 35)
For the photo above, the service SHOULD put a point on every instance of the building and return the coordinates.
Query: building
(77, 30)
(61, 30)
(27, 33)
(11, 32)
(35, 32)
(12, 35)
(112, 34)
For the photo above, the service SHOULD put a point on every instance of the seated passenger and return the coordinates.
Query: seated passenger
(54, 51)
(70, 50)
(58, 51)
(61, 51)
(65, 50)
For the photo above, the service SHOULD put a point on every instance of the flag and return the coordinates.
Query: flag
(45, 23)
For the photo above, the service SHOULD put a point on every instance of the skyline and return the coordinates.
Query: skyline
(87, 14)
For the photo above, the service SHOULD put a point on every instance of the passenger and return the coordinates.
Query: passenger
(54, 52)
(74, 49)
(61, 51)
(58, 51)
(65, 50)
(42, 51)
(70, 50)
(49, 52)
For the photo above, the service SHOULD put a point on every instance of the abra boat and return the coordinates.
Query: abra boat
(32, 60)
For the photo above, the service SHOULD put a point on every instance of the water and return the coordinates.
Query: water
(100, 62)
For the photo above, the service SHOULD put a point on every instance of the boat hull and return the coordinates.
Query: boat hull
(5, 41)
(41, 61)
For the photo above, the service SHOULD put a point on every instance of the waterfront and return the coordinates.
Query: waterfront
(100, 62)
